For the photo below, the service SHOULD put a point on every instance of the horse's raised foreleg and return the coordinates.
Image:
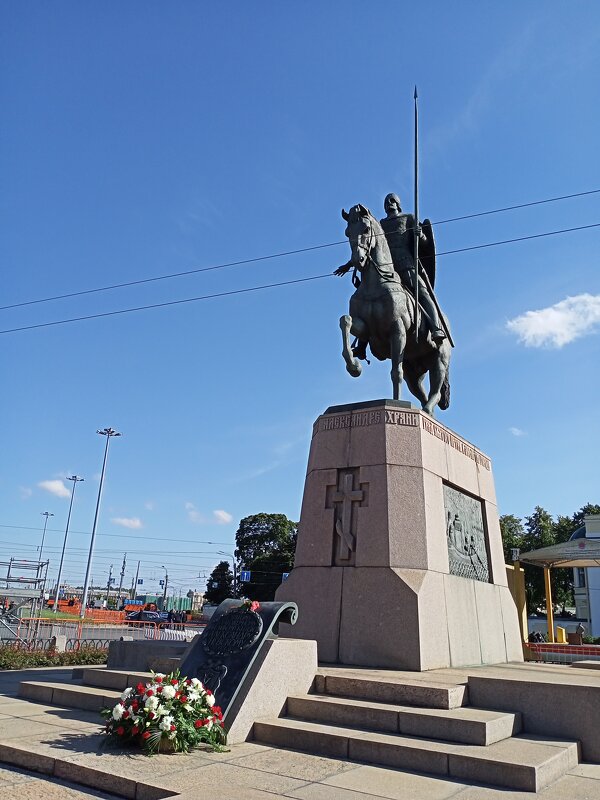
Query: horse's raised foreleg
(351, 327)
(397, 345)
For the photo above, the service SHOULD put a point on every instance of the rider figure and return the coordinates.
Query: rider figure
(398, 229)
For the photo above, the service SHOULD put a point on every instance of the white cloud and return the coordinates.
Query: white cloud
(128, 522)
(193, 514)
(219, 516)
(55, 487)
(25, 492)
(559, 324)
(517, 431)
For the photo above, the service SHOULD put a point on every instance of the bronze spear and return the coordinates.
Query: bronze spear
(416, 224)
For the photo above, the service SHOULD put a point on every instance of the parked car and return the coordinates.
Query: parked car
(147, 616)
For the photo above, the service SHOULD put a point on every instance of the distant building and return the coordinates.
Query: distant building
(197, 599)
(587, 580)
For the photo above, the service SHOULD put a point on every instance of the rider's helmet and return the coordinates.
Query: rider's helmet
(389, 197)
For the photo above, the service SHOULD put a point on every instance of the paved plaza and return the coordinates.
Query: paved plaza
(56, 752)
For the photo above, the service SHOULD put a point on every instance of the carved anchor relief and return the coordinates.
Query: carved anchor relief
(344, 496)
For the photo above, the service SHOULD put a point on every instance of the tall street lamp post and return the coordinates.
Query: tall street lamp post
(166, 584)
(75, 480)
(45, 514)
(109, 433)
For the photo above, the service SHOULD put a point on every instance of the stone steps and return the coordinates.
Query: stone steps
(465, 725)
(407, 692)
(113, 678)
(69, 695)
(520, 763)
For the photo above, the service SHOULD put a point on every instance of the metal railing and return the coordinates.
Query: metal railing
(79, 633)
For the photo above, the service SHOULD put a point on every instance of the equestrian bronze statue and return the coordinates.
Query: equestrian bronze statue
(383, 313)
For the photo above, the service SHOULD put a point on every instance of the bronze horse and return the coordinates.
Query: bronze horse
(382, 312)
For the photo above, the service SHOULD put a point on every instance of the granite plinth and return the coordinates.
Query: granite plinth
(399, 560)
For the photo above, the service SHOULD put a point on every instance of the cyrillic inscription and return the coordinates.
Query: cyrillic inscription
(466, 449)
(363, 419)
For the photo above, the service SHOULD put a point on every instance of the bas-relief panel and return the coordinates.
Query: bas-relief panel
(465, 531)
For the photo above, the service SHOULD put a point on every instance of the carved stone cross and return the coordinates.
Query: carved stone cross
(343, 497)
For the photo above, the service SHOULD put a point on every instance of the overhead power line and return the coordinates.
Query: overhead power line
(282, 254)
(279, 284)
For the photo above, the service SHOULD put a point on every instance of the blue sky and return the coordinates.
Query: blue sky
(143, 139)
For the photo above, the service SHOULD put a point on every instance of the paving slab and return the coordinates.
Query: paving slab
(295, 765)
(396, 785)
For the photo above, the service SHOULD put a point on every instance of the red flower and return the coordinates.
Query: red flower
(183, 698)
(188, 681)
(216, 710)
(151, 715)
(254, 605)
(173, 728)
(140, 687)
(149, 693)
(146, 735)
(158, 679)
(120, 730)
(198, 723)
(173, 681)
(134, 704)
(135, 730)
(208, 692)
(159, 690)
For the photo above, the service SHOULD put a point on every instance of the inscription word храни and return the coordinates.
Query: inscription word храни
(362, 419)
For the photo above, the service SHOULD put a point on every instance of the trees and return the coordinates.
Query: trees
(220, 583)
(541, 530)
(513, 534)
(265, 545)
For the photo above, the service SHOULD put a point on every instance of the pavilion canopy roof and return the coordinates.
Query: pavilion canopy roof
(575, 553)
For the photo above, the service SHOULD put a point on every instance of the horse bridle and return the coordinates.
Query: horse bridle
(369, 259)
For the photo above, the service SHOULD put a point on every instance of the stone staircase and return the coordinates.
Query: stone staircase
(416, 725)
(406, 724)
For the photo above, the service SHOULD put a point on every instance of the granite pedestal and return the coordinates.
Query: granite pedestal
(399, 560)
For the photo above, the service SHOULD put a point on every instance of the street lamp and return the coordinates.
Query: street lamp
(232, 557)
(165, 590)
(109, 433)
(44, 514)
(75, 480)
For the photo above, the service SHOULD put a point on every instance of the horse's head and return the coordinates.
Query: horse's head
(360, 232)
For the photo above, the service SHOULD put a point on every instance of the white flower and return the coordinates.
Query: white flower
(151, 703)
(165, 723)
(168, 692)
(126, 694)
(209, 724)
(160, 675)
(198, 686)
(117, 711)
(188, 707)
(136, 720)
(162, 711)
(210, 699)
(171, 735)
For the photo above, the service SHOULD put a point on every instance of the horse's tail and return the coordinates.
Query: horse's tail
(445, 392)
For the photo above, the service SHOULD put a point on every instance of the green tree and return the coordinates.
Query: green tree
(513, 535)
(265, 545)
(539, 532)
(220, 583)
(588, 508)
